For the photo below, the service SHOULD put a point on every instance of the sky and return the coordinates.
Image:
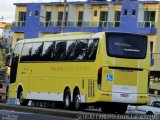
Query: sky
(7, 9)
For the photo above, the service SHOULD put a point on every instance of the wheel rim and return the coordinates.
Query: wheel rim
(77, 101)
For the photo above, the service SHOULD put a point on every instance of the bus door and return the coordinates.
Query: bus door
(14, 63)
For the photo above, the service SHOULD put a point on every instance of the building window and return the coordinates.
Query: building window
(80, 18)
(125, 12)
(117, 15)
(22, 19)
(29, 13)
(95, 13)
(133, 12)
(36, 13)
(103, 19)
(22, 16)
(149, 18)
(48, 18)
(117, 18)
(149, 15)
(60, 18)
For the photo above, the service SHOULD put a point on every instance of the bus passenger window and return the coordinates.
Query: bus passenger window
(92, 49)
(80, 51)
(60, 51)
(26, 53)
(17, 50)
(71, 45)
(48, 49)
(37, 51)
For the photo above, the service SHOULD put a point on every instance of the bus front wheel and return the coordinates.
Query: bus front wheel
(22, 101)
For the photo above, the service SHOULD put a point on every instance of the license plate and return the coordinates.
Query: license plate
(126, 95)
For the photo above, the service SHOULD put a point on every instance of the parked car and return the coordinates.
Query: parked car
(152, 109)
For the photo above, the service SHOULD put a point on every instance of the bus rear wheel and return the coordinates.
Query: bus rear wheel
(77, 101)
(23, 102)
(67, 99)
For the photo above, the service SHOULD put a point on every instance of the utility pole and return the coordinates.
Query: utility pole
(64, 16)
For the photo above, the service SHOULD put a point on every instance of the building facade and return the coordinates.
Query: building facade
(5, 34)
(38, 19)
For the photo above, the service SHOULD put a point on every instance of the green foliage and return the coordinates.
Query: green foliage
(3, 52)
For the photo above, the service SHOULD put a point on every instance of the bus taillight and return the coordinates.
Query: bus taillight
(99, 77)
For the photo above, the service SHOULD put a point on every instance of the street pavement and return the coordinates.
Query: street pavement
(13, 115)
(15, 112)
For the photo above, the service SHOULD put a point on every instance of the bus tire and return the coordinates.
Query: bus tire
(67, 99)
(77, 100)
(23, 102)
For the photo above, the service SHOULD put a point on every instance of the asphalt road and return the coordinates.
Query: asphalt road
(13, 112)
(13, 115)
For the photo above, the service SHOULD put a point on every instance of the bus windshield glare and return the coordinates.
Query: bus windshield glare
(125, 46)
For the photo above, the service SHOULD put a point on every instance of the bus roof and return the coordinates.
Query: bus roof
(66, 36)
(61, 36)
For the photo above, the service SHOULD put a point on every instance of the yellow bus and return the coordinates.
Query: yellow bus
(106, 69)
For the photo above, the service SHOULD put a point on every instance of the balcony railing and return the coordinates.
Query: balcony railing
(114, 24)
(19, 24)
(147, 24)
(81, 24)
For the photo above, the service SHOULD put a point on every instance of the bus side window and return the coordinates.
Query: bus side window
(92, 49)
(71, 45)
(81, 48)
(26, 53)
(47, 53)
(37, 51)
(17, 50)
(60, 50)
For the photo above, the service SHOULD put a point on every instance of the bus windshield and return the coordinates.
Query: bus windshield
(124, 45)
